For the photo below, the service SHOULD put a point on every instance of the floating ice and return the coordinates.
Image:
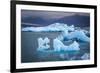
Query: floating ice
(78, 34)
(52, 27)
(64, 56)
(58, 46)
(43, 44)
(86, 56)
(60, 37)
(74, 46)
(68, 32)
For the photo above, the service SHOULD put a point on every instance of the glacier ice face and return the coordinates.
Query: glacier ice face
(43, 44)
(58, 46)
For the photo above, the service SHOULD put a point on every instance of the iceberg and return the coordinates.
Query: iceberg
(77, 34)
(52, 27)
(58, 46)
(74, 46)
(67, 32)
(86, 56)
(43, 44)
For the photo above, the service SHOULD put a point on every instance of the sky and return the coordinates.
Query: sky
(46, 17)
(49, 14)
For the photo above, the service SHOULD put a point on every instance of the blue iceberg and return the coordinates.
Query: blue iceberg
(59, 46)
(77, 34)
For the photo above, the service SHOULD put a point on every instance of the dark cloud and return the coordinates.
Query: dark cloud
(49, 14)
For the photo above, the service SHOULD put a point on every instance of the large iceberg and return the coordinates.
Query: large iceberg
(77, 34)
(52, 27)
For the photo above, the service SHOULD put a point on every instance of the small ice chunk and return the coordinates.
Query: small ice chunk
(62, 56)
(86, 56)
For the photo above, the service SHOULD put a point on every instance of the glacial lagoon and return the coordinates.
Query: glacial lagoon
(29, 45)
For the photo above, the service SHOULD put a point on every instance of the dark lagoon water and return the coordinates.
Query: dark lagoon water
(29, 47)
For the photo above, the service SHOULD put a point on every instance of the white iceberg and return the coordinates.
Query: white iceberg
(78, 34)
(52, 27)
(43, 44)
(58, 46)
